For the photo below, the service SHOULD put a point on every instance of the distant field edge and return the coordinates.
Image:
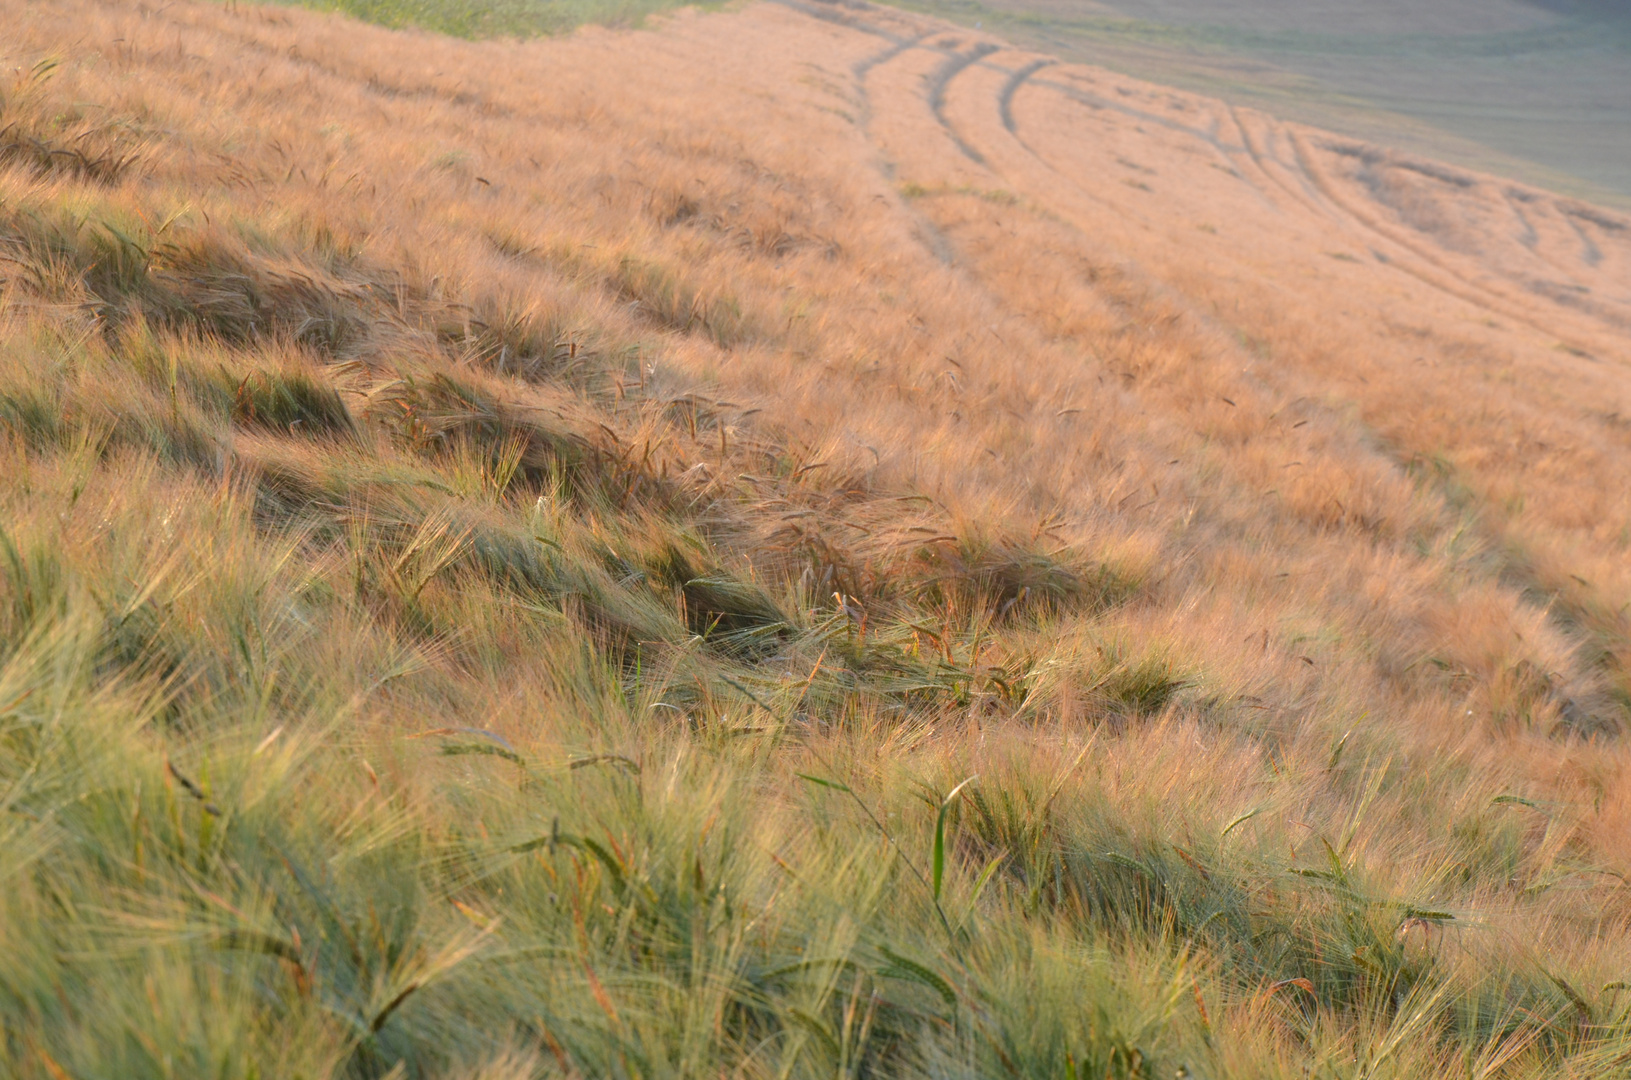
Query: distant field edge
(1187, 58)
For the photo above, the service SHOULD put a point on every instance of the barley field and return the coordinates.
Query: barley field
(797, 541)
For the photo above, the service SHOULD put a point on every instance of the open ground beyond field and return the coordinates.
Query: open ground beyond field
(804, 541)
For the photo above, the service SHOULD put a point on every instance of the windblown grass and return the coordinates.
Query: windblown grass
(459, 624)
(495, 18)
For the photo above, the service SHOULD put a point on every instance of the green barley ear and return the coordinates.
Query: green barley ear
(937, 857)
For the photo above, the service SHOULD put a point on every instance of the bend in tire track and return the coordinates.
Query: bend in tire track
(1005, 100)
(954, 66)
(860, 72)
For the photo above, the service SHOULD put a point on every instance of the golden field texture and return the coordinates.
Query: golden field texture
(797, 542)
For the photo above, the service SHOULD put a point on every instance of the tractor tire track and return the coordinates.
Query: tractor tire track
(1005, 100)
(1094, 101)
(1458, 286)
(1308, 198)
(955, 65)
(1272, 159)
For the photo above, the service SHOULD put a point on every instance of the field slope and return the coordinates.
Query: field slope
(801, 541)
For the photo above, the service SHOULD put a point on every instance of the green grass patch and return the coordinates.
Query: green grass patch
(498, 18)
